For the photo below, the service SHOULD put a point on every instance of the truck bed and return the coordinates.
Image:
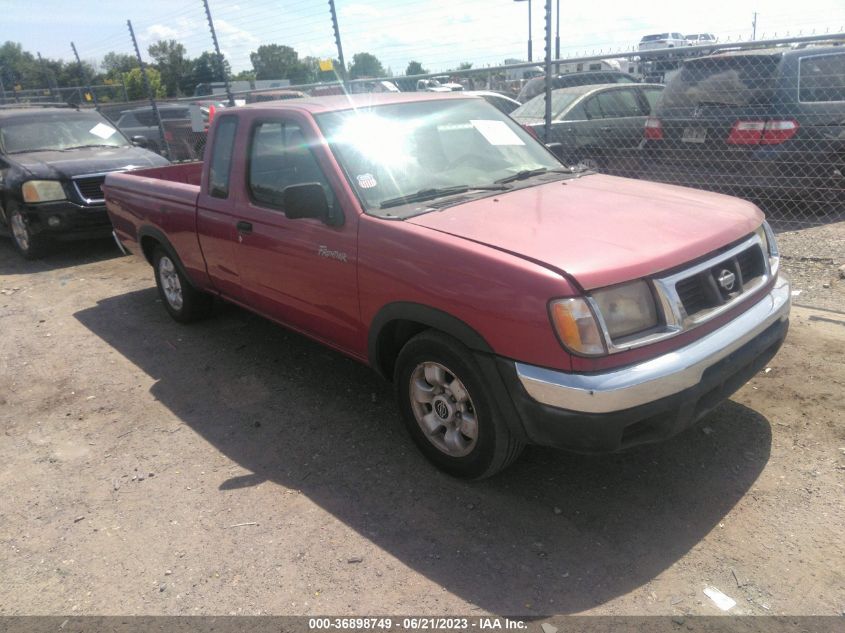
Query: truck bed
(163, 200)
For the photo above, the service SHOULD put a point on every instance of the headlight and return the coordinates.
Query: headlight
(576, 326)
(42, 191)
(770, 246)
(626, 309)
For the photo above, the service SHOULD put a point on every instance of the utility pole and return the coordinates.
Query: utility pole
(219, 55)
(754, 27)
(530, 47)
(161, 138)
(547, 128)
(83, 79)
(337, 41)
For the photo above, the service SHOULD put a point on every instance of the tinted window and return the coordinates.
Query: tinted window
(174, 114)
(127, 120)
(735, 80)
(822, 78)
(146, 118)
(278, 158)
(221, 157)
(616, 104)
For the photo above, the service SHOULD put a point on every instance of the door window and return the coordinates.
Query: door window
(221, 157)
(617, 104)
(280, 157)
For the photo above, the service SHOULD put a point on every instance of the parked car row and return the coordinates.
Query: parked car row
(659, 41)
(765, 124)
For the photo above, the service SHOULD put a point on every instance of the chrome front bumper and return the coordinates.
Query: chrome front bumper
(659, 377)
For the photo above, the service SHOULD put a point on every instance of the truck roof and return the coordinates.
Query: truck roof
(353, 101)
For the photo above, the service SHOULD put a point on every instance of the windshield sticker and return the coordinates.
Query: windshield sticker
(496, 132)
(367, 181)
(102, 130)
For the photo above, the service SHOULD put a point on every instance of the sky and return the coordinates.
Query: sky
(438, 33)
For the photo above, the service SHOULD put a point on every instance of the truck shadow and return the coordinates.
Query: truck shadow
(556, 533)
(61, 255)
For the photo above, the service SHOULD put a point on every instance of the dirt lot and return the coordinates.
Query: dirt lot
(234, 467)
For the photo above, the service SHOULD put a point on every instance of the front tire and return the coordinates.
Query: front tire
(30, 245)
(449, 410)
(183, 302)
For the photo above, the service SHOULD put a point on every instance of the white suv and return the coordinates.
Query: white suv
(662, 40)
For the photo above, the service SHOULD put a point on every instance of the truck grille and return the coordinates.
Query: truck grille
(721, 282)
(90, 188)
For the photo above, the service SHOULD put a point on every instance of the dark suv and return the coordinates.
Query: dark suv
(537, 85)
(53, 162)
(762, 124)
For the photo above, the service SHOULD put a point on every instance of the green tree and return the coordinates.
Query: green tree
(204, 70)
(464, 66)
(135, 84)
(365, 65)
(276, 61)
(244, 75)
(415, 68)
(171, 61)
(19, 67)
(115, 64)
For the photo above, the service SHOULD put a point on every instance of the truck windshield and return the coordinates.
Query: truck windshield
(398, 150)
(61, 131)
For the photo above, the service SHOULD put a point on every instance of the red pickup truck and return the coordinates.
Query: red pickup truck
(509, 299)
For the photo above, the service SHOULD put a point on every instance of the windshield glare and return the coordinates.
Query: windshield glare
(58, 132)
(397, 150)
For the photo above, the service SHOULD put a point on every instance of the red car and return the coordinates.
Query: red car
(510, 300)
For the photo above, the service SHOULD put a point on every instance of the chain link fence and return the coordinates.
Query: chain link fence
(763, 121)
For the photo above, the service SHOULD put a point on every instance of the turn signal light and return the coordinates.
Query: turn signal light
(576, 326)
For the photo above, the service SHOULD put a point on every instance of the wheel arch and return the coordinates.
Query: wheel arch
(149, 238)
(396, 323)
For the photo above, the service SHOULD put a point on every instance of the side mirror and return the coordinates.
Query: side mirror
(556, 149)
(139, 141)
(308, 200)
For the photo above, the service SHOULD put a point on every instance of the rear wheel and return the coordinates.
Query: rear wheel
(30, 245)
(448, 409)
(182, 301)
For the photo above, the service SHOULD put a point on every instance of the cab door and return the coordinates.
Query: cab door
(301, 272)
(216, 212)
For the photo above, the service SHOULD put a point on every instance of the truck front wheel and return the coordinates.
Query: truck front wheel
(447, 408)
(183, 302)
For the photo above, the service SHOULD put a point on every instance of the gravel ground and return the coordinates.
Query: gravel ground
(233, 467)
(812, 260)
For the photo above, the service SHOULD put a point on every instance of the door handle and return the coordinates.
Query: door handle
(244, 227)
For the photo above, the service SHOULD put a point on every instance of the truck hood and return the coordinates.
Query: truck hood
(90, 160)
(599, 229)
